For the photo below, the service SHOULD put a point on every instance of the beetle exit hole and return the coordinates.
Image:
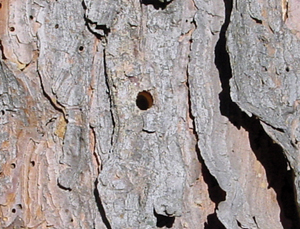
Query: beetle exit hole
(80, 48)
(144, 100)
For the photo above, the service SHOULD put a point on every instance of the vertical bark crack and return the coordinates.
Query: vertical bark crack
(2, 51)
(100, 206)
(55, 104)
(114, 117)
(216, 194)
(268, 153)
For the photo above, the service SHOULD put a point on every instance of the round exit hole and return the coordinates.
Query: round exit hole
(144, 100)
(80, 48)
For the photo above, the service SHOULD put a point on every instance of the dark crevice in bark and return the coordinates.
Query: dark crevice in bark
(97, 159)
(108, 87)
(105, 29)
(239, 224)
(100, 206)
(268, 153)
(2, 51)
(271, 156)
(113, 117)
(88, 22)
(112, 112)
(254, 219)
(213, 222)
(111, 101)
(164, 221)
(83, 5)
(273, 127)
(258, 21)
(156, 3)
(215, 192)
(63, 187)
(58, 106)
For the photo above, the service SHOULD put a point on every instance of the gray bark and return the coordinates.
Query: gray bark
(149, 114)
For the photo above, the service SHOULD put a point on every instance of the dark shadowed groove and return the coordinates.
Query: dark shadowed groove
(271, 156)
(100, 206)
(105, 30)
(96, 192)
(57, 106)
(268, 153)
(215, 192)
(164, 221)
(156, 4)
(2, 51)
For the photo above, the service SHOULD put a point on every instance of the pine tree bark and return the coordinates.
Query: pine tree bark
(148, 114)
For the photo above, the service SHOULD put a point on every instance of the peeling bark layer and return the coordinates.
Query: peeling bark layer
(118, 114)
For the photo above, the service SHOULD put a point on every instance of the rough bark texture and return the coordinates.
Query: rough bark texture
(149, 114)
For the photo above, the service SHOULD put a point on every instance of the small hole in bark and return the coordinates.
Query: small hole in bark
(13, 165)
(2, 112)
(32, 163)
(0, 5)
(19, 206)
(13, 210)
(144, 100)
(12, 29)
(71, 220)
(31, 17)
(80, 48)
(164, 221)
(56, 26)
(287, 69)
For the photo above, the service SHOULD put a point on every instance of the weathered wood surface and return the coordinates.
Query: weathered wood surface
(79, 151)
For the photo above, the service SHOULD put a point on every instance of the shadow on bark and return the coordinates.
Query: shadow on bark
(164, 221)
(156, 4)
(268, 153)
(216, 194)
(100, 207)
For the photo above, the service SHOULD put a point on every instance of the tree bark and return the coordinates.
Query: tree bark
(149, 114)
